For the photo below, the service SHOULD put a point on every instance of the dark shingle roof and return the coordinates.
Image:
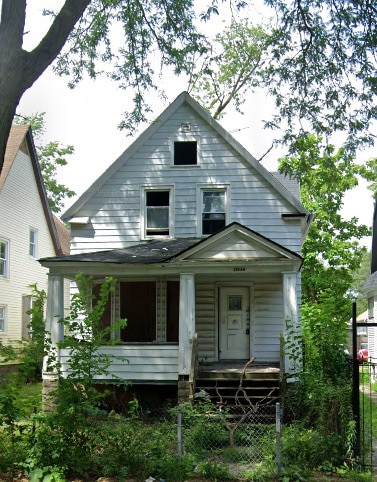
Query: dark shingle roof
(370, 283)
(290, 183)
(154, 251)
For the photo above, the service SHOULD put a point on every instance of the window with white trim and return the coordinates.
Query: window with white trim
(157, 212)
(185, 151)
(4, 258)
(2, 318)
(213, 214)
(33, 243)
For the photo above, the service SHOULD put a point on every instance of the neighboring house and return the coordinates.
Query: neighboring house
(369, 290)
(361, 333)
(203, 240)
(28, 231)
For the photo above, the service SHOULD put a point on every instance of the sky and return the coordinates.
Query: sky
(87, 117)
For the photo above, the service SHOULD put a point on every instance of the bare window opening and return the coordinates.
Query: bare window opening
(138, 307)
(157, 215)
(185, 153)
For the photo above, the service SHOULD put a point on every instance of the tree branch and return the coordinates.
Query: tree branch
(52, 43)
(12, 23)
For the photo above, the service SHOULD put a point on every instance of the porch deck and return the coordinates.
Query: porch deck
(233, 369)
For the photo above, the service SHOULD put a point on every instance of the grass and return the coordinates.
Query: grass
(29, 399)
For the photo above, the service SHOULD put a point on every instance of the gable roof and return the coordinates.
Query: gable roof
(183, 98)
(21, 139)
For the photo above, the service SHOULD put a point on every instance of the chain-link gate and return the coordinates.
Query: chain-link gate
(235, 436)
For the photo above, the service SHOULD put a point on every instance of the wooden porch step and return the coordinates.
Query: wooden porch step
(225, 381)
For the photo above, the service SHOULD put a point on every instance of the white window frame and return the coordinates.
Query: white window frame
(3, 318)
(5, 260)
(33, 244)
(185, 138)
(199, 203)
(143, 210)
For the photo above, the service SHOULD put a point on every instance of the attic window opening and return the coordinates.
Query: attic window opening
(157, 213)
(185, 153)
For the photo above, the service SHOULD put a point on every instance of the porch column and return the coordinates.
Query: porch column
(186, 321)
(291, 327)
(55, 330)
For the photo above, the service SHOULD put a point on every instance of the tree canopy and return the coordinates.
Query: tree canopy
(323, 69)
(80, 40)
(51, 156)
(231, 68)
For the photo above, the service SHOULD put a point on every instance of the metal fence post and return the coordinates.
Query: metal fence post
(179, 431)
(278, 439)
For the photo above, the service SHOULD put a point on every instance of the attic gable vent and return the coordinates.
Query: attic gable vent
(185, 127)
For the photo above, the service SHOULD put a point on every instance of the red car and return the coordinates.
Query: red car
(362, 353)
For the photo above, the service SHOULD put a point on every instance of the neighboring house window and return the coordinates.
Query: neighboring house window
(371, 308)
(4, 258)
(214, 208)
(157, 219)
(33, 243)
(2, 319)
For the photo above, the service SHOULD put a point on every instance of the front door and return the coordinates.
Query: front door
(234, 329)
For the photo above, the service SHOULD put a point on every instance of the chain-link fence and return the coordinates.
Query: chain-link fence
(235, 436)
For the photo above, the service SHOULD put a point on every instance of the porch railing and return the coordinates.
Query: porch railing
(148, 362)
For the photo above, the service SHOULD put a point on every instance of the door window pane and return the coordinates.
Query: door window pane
(234, 303)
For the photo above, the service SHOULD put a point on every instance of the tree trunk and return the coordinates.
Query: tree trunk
(19, 69)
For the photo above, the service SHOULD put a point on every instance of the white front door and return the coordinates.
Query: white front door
(234, 323)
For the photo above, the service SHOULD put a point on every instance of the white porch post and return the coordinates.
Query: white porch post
(291, 326)
(54, 312)
(55, 330)
(186, 321)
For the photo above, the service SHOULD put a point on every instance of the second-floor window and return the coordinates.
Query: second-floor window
(33, 238)
(157, 216)
(4, 258)
(214, 210)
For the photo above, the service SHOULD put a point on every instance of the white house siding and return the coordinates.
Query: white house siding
(372, 331)
(114, 210)
(20, 210)
(143, 363)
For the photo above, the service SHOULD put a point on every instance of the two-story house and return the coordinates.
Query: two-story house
(203, 240)
(28, 231)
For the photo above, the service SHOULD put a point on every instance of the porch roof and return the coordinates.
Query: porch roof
(221, 246)
(148, 252)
